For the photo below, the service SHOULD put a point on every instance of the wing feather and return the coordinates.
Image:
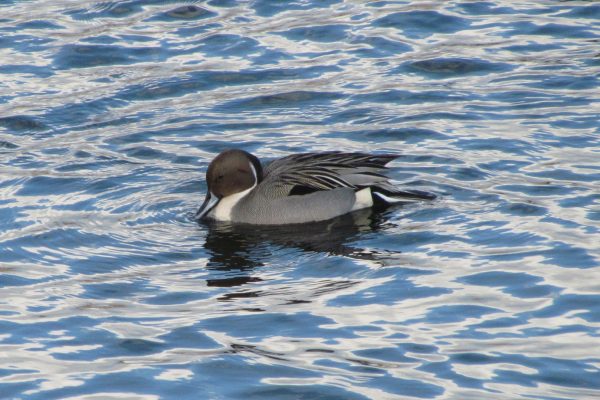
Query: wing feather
(325, 171)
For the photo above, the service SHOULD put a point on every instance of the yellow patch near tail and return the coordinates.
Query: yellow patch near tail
(364, 199)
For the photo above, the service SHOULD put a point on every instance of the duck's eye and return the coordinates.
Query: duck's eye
(220, 177)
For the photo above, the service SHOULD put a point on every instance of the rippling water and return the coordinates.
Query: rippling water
(111, 111)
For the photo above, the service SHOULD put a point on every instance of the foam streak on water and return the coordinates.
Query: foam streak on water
(111, 111)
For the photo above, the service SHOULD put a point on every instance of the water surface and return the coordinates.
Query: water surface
(111, 111)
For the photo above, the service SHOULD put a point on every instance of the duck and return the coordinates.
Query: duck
(298, 188)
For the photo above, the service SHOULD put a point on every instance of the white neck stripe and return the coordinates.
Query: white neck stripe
(254, 173)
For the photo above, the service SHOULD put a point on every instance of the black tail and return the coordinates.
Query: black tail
(385, 197)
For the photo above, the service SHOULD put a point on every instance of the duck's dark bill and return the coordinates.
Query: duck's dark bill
(209, 203)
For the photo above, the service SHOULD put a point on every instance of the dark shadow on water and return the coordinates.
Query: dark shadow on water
(240, 247)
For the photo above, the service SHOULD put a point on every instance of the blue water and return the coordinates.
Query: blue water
(111, 111)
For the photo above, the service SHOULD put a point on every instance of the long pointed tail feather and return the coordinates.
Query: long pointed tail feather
(385, 197)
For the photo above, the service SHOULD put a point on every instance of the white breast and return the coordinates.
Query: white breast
(222, 212)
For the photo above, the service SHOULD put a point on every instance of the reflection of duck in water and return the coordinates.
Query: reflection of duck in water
(298, 188)
(242, 247)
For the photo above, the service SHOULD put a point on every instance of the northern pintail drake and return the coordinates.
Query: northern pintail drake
(298, 188)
